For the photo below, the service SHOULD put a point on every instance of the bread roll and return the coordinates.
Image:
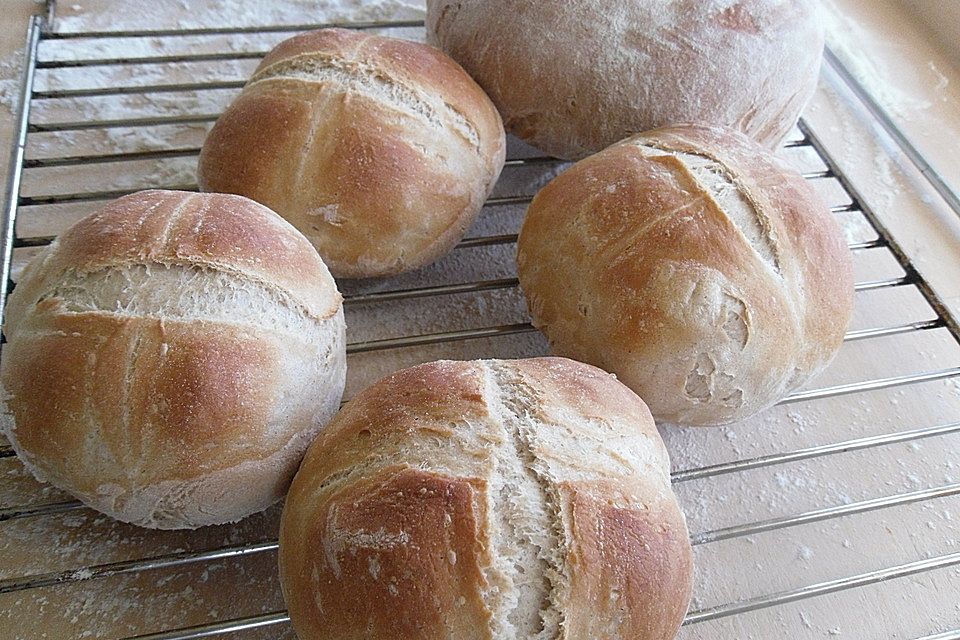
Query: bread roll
(699, 268)
(171, 356)
(499, 500)
(576, 76)
(381, 151)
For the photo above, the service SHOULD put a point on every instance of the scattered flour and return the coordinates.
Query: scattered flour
(186, 15)
(942, 81)
(133, 604)
(114, 541)
(846, 37)
(10, 81)
(800, 422)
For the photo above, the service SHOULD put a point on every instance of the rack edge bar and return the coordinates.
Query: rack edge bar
(946, 635)
(213, 31)
(825, 513)
(15, 169)
(858, 444)
(823, 588)
(928, 171)
(218, 628)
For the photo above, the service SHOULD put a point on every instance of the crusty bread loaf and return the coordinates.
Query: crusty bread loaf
(576, 76)
(170, 358)
(699, 268)
(381, 151)
(496, 500)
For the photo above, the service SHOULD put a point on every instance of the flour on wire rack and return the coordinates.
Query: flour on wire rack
(177, 14)
(10, 80)
(112, 606)
(83, 539)
(491, 308)
(192, 14)
(846, 37)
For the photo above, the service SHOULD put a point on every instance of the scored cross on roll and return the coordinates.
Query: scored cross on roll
(489, 500)
(381, 151)
(698, 267)
(170, 357)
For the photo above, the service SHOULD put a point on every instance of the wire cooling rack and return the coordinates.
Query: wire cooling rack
(105, 113)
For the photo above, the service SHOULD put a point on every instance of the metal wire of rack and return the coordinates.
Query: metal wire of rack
(19, 204)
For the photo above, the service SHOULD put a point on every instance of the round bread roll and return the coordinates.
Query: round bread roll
(700, 269)
(170, 358)
(381, 151)
(576, 76)
(504, 500)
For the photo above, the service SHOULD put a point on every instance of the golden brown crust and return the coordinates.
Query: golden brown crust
(393, 557)
(434, 400)
(410, 515)
(310, 42)
(642, 562)
(405, 586)
(381, 151)
(163, 394)
(219, 231)
(170, 357)
(574, 77)
(414, 62)
(632, 261)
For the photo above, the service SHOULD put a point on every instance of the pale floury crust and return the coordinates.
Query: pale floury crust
(381, 151)
(501, 500)
(576, 76)
(171, 356)
(696, 266)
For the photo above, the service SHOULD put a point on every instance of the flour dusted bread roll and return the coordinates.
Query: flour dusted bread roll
(697, 267)
(576, 76)
(171, 356)
(381, 151)
(495, 500)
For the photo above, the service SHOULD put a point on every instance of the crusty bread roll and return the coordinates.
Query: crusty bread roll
(502, 500)
(576, 76)
(170, 358)
(696, 266)
(381, 151)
